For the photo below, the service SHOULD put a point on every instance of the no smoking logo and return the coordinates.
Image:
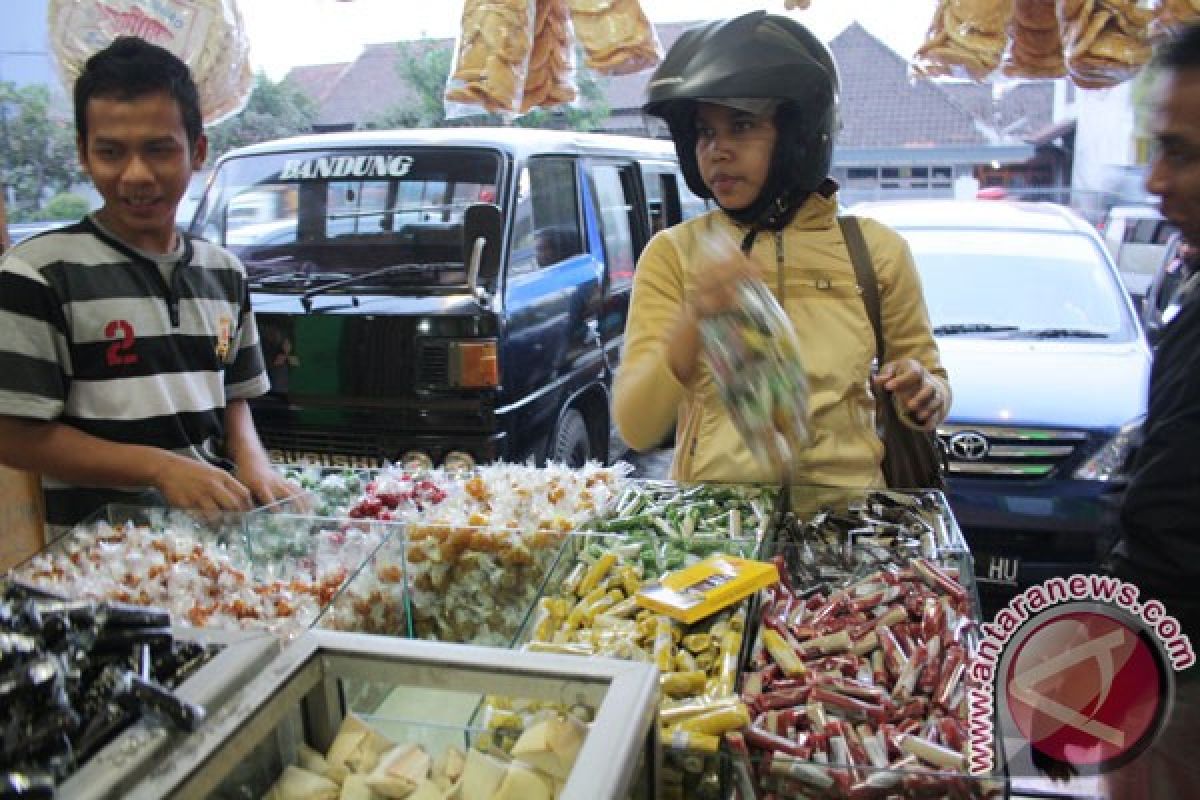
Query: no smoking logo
(1084, 687)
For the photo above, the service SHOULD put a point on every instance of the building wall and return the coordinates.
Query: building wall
(24, 47)
(1105, 146)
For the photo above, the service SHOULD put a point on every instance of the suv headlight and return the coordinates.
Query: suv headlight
(1108, 463)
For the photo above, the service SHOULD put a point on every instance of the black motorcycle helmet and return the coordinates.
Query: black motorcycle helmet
(756, 55)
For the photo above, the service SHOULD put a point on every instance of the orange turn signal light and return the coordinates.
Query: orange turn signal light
(477, 365)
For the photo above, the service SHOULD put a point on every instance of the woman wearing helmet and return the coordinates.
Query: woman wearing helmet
(751, 104)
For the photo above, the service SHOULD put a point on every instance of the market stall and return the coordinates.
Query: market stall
(549, 671)
(863, 635)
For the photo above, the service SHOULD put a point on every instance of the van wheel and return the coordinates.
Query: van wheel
(570, 444)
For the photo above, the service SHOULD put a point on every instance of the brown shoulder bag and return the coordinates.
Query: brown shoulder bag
(912, 459)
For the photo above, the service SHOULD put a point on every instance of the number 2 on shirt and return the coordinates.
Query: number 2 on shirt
(120, 353)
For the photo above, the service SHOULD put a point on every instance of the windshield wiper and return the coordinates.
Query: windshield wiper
(1061, 333)
(355, 280)
(294, 279)
(971, 327)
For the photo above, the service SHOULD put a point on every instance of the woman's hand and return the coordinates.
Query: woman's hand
(916, 390)
(715, 286)
(713, 290)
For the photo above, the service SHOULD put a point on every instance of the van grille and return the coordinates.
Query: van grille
(433, 364)
(295, 445)
(989, 451)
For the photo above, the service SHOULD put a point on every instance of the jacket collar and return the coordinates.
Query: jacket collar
(818, 211)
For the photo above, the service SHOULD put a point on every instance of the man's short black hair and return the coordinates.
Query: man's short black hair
(130, 68)
(1181, 51)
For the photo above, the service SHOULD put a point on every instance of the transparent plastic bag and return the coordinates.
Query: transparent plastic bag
(491, 58)
(550, 79)
(208, 35)
(966, 39)
(755, 359)
(1106, 42)
(616, 36)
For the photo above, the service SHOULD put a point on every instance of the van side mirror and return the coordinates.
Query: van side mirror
(483, 232)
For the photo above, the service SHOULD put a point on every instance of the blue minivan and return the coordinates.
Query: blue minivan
(1049, 367)
(441, 294)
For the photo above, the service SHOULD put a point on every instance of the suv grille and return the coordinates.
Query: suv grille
(989, 451)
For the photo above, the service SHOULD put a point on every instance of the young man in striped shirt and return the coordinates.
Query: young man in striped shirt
(128, 350)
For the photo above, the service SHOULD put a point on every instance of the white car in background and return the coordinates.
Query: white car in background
(1136, 237)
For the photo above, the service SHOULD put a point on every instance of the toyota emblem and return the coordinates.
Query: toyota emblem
(969, 446)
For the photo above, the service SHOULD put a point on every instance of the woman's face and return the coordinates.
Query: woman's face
(733, 151)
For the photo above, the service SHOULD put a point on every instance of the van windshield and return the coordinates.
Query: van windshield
(299, 218)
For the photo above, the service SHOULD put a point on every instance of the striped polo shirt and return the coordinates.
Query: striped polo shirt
(94, 335)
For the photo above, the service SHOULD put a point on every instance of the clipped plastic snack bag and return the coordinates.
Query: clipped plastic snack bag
(207, 35)
(755, 359)
(491, 58)
(966, 39)
(616, 36)
(550, 79)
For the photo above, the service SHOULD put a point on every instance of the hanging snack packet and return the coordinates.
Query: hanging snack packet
(491, 59)
(207, 35)
(1036, 50)
(616, 36)
(550, 80)
(965, 40)
(1106, 41)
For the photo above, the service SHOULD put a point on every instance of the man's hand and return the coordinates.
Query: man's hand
(266, 484)
(917, 392)
(190, 484)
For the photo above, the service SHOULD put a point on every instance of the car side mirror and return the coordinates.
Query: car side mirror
(483, 231)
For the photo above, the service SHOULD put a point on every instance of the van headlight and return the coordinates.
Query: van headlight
(1108, 463)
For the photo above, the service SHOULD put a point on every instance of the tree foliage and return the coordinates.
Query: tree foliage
(37, 149)
(424, 68)
(274, 110)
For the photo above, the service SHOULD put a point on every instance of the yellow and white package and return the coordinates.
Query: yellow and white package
(706, 587)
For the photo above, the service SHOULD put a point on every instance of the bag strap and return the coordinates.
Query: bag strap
(864, 271)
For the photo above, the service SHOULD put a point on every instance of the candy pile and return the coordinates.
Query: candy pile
(692, 514)
(592, 611)
(755, 360)
(210, 581)
(835, 543)
(74, 675)
(862, 688)
(477, 560)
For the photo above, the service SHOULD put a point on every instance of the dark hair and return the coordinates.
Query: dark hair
(130, 68)
(1181, 51)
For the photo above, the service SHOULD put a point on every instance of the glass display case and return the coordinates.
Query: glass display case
(858, 683)
(476, 585)
(275, 572)
(293, 725)
(588, 608)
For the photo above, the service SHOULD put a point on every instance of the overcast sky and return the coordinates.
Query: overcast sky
(287, 33)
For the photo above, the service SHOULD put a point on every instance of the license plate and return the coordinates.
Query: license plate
(998, 570)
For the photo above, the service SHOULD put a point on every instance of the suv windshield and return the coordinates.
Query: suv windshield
(300, 219)
(1015, 284)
